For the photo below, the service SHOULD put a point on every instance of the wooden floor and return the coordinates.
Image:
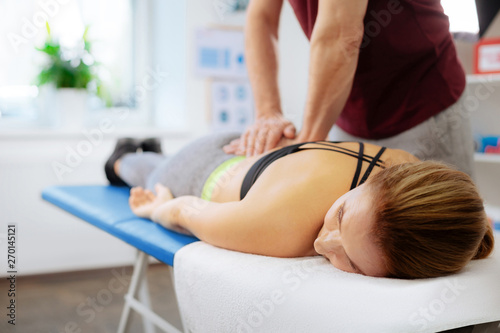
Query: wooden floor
(81, 302)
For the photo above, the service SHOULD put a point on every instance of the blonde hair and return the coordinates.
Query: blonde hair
(429, 220)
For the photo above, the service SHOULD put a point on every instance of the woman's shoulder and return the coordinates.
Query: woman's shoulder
(392, 156)
(399, 156)
(389, 157)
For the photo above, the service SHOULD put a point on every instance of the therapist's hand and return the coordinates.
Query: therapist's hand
(266, 134)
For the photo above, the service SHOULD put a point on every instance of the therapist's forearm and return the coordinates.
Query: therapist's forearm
(333, 63)
(261, 54)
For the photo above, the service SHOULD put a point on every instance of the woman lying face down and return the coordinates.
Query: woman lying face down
(413, 220)
(346, 235)
(410, 219)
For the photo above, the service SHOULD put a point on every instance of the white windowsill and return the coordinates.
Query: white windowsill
(124, 124)
(50, 133)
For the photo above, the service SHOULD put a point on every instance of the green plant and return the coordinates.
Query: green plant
(70, 68)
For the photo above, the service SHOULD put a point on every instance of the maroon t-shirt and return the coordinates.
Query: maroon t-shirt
(407, 71)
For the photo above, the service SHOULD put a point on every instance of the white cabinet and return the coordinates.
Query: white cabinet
(482, 104)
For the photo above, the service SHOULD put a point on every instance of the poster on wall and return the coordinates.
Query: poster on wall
(219, 53)
(231, 105)
(487, 56)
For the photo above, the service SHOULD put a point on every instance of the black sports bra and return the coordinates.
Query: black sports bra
(259, 166)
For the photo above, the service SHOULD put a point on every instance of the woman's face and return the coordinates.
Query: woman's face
(345, 237)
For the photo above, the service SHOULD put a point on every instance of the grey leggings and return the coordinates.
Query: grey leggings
(185, 172)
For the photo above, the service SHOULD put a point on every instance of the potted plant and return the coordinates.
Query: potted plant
(68, 74)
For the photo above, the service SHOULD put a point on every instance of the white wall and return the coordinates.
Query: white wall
(485, 115)
(51, 240)
(294, 59)
(294, 65)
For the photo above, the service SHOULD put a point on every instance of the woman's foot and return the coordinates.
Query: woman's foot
(151, 144)
(123, 146)
(144, 202)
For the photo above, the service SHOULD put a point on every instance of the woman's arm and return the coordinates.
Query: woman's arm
(231, 225)
(281, 223)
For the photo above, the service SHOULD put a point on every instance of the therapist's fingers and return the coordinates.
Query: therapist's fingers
(273, 138)
(250, 141)
(268, 133)
(232, 147)
(289, 131)
(261, 139)
(281, 129)
(265, 134)
(242, 147)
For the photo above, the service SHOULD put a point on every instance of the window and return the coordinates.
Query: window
(115, 30)
(462, 14)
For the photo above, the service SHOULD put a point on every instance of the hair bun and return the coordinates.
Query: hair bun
(486, 245)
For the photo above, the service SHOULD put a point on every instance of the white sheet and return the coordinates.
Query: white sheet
(226, 291)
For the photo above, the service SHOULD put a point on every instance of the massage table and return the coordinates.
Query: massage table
(225, 291)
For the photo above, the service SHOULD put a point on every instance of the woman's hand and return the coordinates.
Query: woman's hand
(161, 208)
(144, 202)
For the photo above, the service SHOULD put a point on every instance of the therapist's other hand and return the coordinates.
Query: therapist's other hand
(264, 135)
(143, 202)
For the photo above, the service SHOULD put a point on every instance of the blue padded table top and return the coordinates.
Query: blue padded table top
(106, 207)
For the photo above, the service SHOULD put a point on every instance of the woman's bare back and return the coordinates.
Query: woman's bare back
(311, 162)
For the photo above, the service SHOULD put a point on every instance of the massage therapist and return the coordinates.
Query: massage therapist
(381, 71)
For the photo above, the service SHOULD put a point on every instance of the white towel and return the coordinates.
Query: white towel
(226, 291)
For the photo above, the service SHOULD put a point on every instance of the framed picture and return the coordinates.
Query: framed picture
(231, 105)
(487, 56)
(220, 53)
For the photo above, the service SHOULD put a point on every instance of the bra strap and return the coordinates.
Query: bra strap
(355, 155)
(372, 164)
(359, 166)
